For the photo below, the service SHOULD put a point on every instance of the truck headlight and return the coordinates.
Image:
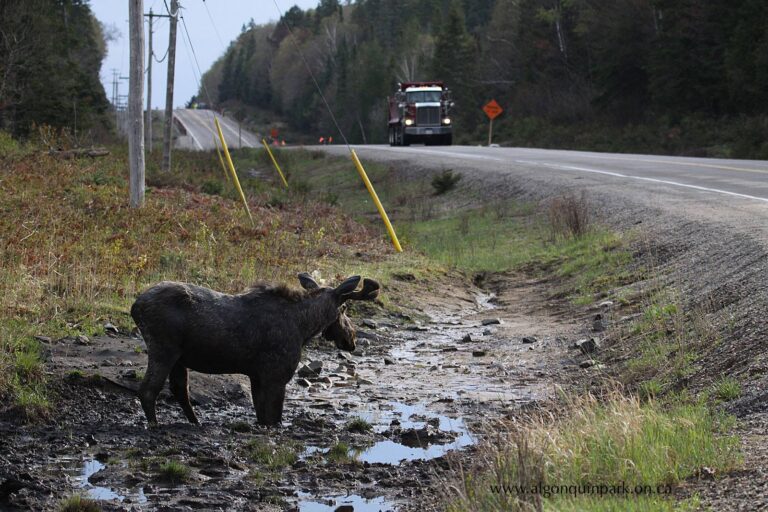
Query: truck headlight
(447, 120)
(408, 122)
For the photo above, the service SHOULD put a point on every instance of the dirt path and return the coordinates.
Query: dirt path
(424, 387)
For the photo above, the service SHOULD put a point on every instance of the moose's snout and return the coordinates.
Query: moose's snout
(342, 333)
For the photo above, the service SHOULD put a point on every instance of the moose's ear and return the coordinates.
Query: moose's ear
(307, 282)
(348, 286)
(369, 292)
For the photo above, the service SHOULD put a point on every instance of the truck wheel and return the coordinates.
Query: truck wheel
(392, 141)
(404, 140)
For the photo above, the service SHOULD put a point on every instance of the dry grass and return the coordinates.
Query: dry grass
(570, 216)
(593, 442)
(75, 255)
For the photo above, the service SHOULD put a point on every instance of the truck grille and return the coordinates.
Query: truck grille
(428, 116)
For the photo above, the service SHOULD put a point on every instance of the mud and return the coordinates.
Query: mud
(425, 387)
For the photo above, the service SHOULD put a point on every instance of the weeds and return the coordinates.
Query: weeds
(78, 503)
(174, 471)
(569, 216)
(727, 389)
(273, 456)
(359, 425)
(339, 453)
(596, 442)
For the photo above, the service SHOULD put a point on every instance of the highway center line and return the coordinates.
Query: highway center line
(654, 180)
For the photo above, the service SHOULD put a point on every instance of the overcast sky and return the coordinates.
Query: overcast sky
(210, 37)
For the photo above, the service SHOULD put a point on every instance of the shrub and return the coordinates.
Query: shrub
(445, 181)
(359, 425)
(569, 216)
(214, 188)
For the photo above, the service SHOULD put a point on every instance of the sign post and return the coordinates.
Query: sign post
(492, 110)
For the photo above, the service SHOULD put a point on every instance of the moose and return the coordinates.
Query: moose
(258, 333)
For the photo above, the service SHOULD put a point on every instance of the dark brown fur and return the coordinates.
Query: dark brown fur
(258, 333)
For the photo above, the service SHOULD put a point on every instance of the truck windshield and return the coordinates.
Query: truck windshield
(423, 96)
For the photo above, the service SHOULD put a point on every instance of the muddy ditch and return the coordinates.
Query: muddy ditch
(363, 431)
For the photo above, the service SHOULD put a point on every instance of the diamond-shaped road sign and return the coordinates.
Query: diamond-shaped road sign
(492, 110)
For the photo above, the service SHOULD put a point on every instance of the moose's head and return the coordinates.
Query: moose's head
(340, 330)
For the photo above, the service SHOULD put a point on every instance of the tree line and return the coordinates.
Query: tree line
(665, 70)
(50, 56)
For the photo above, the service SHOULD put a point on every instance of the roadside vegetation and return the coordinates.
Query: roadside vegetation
(75, 256)
(78, 257)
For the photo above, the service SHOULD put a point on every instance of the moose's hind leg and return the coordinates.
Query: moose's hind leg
(179, 384)
(158, 369)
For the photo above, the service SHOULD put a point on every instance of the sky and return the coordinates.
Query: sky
(210, 37)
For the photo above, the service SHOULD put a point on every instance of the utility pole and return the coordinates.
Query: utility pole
(148, 140)
(174, 14)
(135, 97)
(151, 15)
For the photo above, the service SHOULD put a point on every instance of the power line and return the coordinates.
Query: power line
(312, 75)
(200, 82)
(214, 25)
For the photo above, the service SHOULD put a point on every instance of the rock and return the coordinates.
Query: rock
(598, 324)
(311, 369)
(324, 380)
(588, 363)
(371, 324)
(491, 321)
(449, 349)
(467, 338)
(706, 473)
(426, 435)
(359, 352)
(363, 381)
(304, 383)
(606, 304)
(487, 332)
(44, 339)
(529, 339)
(587, 346)
(418, 328)
(478, 353)
(345, 355)
(388, 361)
(109, 328)
(82, 339)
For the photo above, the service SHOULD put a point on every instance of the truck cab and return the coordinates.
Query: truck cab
(420, 112)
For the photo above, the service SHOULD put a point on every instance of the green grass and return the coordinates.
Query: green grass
(78, 503)
(359, 425)
(339, 453)
(600, 442)
(174, 471)
(727, 389)
(516, 238)
(272, 456)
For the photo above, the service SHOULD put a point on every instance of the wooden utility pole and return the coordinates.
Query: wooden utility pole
(168, 132)
(149, 83)
(151, 15)
(135, 97)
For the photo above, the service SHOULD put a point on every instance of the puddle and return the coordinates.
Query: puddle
(410, 417)
(351, 503)
(84, 469)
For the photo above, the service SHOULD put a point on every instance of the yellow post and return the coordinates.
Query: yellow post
(221, 159)
(266, 146)
(232, 168)
(375, 198)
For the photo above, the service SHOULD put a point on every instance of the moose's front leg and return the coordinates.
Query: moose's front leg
(268, 401)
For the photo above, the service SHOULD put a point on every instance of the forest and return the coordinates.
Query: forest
(669, 76)
(50, 56)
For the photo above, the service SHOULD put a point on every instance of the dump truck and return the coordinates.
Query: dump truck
(420, 112)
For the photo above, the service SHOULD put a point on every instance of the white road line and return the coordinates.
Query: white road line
(653, 180)
(439, 153)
